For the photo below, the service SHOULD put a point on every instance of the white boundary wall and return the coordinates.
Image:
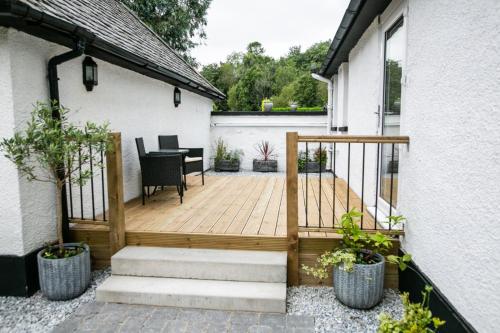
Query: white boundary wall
(245, 132)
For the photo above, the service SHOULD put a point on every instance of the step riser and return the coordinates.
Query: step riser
(189, 301)
(200, 270)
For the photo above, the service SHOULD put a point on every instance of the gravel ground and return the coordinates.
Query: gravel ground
(264, 174)
(333, 316)
(37, 314)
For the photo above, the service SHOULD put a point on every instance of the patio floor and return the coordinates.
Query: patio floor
(239, 205)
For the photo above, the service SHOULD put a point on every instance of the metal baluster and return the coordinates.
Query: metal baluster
(80, 184)
(392, 183)
(92, 181)
(70, 190)
(376, 188)
(319, 199)
(307, 183)
(102, 183)
(334, 181)
(348, 172)
(362, 185)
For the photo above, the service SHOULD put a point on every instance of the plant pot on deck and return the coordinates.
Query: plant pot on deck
(362, 288)
(313, 167)
(66, 278)
(265, 166)
(227, 165)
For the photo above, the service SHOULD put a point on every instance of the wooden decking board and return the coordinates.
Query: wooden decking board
(270, 219)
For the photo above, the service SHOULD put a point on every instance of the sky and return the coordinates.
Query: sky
(277, 24)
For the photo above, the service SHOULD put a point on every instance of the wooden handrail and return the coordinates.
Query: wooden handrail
(354, 138)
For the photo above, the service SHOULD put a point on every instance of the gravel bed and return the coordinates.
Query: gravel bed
(265, 174)
(37, 314)
(332, 316)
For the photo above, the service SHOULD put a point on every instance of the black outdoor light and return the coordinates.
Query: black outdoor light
(89, 73)
(177, 96)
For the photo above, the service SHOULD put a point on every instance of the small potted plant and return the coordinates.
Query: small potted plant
(293, 106)
(266, 163)
(417, 317)
(358, 264)
(226, 159)
(266, 105)
(49, 150)
(314, 165)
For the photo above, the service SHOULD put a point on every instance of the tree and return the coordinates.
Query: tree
(177, 22)
(51, 150)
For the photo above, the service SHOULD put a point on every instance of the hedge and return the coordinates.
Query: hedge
(300, 109)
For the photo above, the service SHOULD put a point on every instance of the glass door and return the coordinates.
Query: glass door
(391, 111)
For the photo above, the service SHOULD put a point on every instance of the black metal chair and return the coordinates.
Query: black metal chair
(193, 162)
(159, 170)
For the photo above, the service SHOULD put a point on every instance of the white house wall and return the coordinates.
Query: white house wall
(449, 176)
(134, 105)
(245, 132)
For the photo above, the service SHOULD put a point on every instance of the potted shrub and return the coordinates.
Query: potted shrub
(314, 165)
(417, 317)
(359, 263)
(48, 150)
(266, 105)
(226, 159)
(266, 163)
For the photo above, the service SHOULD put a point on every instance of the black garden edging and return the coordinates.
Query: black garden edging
(414, 280)
(277, 113)
(19, 275)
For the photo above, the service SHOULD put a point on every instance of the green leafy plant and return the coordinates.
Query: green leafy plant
(299, 109)
(223, 153)
(357, 247)
(302, 160)
(51, 149)
(262, 104)
(320, 156)
(417, 317)
(266, 150)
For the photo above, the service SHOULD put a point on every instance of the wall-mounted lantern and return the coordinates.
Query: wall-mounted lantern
(89, 73)
(177, 96)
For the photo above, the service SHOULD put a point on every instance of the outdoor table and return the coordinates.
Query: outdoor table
(174, 151)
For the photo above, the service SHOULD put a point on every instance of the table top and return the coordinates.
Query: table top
(172, 151)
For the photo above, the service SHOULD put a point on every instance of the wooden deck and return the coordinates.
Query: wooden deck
(239, 205)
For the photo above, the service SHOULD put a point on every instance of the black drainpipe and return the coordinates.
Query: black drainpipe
(54, 98)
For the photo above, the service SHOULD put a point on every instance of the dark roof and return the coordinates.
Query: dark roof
(357, 18)
(112, 33)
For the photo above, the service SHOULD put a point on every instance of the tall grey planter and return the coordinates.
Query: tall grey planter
(67, 278)
(362, 288)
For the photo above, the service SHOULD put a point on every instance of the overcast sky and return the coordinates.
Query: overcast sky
(277, 24)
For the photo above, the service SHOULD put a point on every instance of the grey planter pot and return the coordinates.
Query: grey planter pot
(227, 165)
(293, 107)
(313, 167)
(63, 279)
(268, 107)
(265, 166)
(362, 288)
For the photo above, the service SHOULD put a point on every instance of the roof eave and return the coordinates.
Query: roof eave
(24, 18)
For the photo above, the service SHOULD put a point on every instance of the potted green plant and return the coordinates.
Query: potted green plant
(266, 162)
(314, 165)
(266, 105)
(226, 159)
(49, 150)
(417, 317)
(359, 263)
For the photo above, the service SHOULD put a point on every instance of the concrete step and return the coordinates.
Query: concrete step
(205, 264)
(193, 293)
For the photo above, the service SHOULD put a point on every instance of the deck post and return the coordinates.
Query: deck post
(292, 230)
(115, 194)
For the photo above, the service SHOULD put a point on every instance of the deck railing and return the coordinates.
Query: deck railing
(316, 203)
(101, 201)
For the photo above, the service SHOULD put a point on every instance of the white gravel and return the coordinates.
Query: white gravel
(332, 316)
(37, 314)
(242, 173)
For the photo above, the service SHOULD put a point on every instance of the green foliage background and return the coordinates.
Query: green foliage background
(247, 78)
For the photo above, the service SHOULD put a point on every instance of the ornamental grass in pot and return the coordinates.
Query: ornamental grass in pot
(50, 150)
(267, 161)
(359, 263)
(226, 159)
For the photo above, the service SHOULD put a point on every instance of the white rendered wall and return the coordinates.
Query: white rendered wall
(244, 132)
(449, 176)
(134, 104)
